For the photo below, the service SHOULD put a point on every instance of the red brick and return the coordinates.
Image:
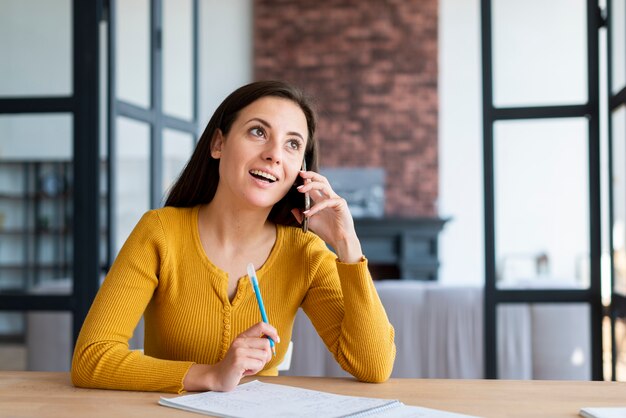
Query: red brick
(372, 69)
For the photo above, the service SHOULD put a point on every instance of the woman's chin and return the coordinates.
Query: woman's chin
(263, 201)
(262, 204)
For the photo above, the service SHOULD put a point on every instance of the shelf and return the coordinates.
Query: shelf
(40, 193)
(33, 162)
(41, 196)
(41, 266)
(404, 248)
(47, 231)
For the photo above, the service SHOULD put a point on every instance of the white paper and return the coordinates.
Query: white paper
(255, 399)
(604, 412)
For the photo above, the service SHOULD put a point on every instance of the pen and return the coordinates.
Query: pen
(307, 202)
(257, 292)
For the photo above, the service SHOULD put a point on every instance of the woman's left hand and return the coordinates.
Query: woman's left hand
(329, 217)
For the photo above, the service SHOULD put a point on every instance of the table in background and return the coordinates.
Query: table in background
(51, 395)
(439, 334)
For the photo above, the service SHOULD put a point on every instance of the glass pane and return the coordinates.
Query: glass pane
(544, 341)
(514, 341)
(40, 137)
(178, 58)
(177, 148)
(132, 41)
(620, 340)
(607, 346)
(535, 61)
(618, 181)
(35, 202)
(541, 203)
(36, 48)
(618, 46)
(37, 341)
(132, 191)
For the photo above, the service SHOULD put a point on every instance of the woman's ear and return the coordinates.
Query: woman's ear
(216, 144)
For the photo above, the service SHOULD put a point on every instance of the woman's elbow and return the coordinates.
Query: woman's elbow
(379, 374)
(376, 369)
(80, 374)
(85, 365)
(79, 377)
(374, 378)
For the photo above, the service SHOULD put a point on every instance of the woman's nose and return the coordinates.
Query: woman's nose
(273, 153)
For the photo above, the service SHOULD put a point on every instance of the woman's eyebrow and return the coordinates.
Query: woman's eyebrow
(266, 123)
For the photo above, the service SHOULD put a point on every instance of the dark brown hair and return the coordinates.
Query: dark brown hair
(198, 181)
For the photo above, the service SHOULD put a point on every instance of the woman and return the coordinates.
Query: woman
(184, 266)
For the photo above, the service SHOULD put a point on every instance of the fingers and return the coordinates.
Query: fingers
(328, 203)
(322, 194)
(251, 353)
(317, 183)
(261, 329)
(248, 354)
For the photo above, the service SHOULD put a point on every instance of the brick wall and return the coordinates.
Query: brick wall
(372, 68)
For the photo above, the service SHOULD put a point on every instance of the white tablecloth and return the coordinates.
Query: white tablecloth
(439, 334)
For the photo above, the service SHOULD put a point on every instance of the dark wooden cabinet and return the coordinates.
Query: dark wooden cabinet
(401, 248)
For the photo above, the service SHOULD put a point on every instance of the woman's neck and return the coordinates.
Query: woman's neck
(232, 238)
(230, 225)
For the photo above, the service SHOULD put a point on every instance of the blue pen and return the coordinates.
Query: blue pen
(257, 292)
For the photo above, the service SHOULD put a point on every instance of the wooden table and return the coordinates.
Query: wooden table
(51, 395)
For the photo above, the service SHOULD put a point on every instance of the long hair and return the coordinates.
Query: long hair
(198, 181)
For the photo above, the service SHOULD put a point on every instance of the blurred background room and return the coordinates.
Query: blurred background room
(481, 146)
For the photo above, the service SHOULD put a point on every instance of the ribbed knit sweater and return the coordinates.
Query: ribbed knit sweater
(163, 273)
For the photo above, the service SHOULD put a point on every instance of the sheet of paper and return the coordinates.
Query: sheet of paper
(604, 412)
(255, 398)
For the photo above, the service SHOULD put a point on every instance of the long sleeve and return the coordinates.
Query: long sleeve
(163, 273)
(345, 309)
(102, 358)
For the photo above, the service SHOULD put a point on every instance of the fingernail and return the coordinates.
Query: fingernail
(306, 212)
(299, 187)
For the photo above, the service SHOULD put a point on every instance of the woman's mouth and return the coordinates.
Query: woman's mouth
(261, 175)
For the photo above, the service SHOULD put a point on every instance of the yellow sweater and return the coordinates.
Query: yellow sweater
(163, 273)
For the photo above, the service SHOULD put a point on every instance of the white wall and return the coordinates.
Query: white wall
(461, 247)
(226, 51)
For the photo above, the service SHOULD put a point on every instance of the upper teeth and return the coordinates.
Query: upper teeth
(263, 174)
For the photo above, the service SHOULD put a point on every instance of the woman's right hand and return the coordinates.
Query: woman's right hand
(247, 355)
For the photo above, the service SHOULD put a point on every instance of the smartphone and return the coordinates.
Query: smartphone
(307, 202)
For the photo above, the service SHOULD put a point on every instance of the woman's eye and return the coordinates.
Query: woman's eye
(257, 132)
(294, 144)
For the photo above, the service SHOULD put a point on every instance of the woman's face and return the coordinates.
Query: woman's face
(262, 154)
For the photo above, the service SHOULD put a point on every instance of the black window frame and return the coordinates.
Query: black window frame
(492, 114)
